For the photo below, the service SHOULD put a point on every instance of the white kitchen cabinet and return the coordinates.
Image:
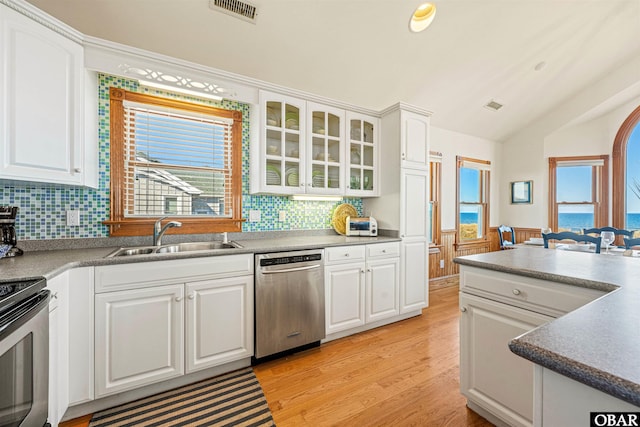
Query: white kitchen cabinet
(139, 337)
(325, 154)
(159, 320)
(81, 332)
(311, 148)
(219, 321)
(362, 154)
(497, 307)
(361, 285)
(490, 374)
(415, 140)
(58, 347)
(403, 203)
(42, 106)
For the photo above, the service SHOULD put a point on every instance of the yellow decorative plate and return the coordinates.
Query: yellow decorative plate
(339, 217)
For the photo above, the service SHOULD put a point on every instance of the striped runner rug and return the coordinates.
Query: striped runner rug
(233, 399)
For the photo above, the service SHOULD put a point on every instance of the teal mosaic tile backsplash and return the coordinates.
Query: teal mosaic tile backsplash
(42, 208)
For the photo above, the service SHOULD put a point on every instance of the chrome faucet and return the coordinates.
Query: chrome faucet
(158, 230)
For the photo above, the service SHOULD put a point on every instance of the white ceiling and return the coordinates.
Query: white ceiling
(361, 51)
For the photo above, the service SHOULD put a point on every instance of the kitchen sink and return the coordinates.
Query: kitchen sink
(175, 248)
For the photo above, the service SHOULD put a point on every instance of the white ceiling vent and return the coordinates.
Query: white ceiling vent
(239, 9)
(493, 105)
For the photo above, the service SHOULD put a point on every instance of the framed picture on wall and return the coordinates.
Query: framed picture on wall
(521, 192)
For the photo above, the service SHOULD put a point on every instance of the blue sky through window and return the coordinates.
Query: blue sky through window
(633, 169)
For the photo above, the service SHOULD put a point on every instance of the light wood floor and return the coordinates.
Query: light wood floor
(404, 374)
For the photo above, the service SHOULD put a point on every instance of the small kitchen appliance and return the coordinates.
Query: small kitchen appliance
(8, 247)
(365, 226)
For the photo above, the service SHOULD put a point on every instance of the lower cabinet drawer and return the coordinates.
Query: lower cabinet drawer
(383, 250)
(542, 296)
(342, 254)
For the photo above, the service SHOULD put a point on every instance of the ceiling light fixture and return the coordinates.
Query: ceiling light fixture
(422, 17)
(182, 90)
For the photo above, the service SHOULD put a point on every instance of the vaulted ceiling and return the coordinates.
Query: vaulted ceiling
(361, 51)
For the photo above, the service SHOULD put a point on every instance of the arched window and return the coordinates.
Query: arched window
(626, 174)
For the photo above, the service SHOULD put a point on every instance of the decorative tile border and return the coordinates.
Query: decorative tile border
(43, 207)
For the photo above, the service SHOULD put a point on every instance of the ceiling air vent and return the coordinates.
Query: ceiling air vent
(239, 9)
(493, 105)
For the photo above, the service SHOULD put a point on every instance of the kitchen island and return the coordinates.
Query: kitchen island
(593, 345)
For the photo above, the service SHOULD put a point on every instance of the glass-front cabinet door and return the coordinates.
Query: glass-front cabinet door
(361, 157)
(325, 127)
(283, 152)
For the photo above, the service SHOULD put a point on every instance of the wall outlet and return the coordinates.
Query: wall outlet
(254, 216)
(73, 218)
(282, 216)
(441, 263)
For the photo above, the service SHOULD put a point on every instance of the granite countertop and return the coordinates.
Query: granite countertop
(596, 344)
(50, 263)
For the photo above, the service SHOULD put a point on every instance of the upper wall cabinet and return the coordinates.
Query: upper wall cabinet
(362, 155)
(415, 140)
(309, 148)
(42, 104)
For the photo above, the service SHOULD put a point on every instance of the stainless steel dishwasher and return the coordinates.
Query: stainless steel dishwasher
(289, 300)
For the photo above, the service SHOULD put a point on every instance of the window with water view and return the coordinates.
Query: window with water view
(473, 196)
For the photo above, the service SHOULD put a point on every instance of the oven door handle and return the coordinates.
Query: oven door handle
(23, 312)
(290, 270)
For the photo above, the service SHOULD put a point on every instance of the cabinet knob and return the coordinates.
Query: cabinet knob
(192, 295)
(178, 299)
(463, 309)
(384, 251)
(347, 255)
(54, 295)
(369, 270)
(302, 184)
(516, 292)
(362, 270)
(403, 156)
(77, 170)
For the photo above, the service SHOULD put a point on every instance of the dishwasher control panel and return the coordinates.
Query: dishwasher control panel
(265, 262)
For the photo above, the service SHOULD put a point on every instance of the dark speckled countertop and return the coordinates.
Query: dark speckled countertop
(50, 263)
(597, 344)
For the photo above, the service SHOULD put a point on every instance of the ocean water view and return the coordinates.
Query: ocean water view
(567, 221)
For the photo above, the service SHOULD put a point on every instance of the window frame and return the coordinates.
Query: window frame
(485, 195)
(599, 189)
(619, 173)
(435, 192)
(119, 224)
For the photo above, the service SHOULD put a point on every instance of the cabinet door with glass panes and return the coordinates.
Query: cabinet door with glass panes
(283, 144)
(325, 150)
(362, 155)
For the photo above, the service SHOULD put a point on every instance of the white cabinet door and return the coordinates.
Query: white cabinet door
(58, 347)
(282, 153)
(219, 321)
(383, 279)
(490, 374)
(414, 136)
(41, 104)
(414, 203)
(414, 271)
(325, 151)
(139, 337)
(344, 296)
(361, 155)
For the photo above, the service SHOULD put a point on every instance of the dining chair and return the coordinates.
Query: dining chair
(568, 235)
(630, 243)
(504, 243)
(616, 231)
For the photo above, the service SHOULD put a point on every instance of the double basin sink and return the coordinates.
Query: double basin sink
(175, 248)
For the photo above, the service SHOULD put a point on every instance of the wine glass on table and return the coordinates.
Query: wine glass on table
(607, 238)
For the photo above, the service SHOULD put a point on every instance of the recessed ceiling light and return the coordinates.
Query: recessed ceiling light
(422, 17)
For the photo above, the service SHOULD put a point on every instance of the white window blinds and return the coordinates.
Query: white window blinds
(176, 162)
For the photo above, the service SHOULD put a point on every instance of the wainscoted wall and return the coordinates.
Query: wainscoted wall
(42, 207)
(447, 250)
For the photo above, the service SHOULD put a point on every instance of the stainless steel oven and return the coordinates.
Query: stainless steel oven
(24, 353)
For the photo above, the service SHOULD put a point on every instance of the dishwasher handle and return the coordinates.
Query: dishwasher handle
(289, 270)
